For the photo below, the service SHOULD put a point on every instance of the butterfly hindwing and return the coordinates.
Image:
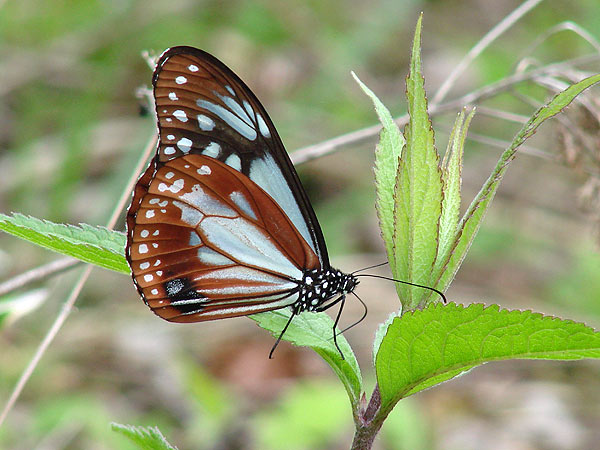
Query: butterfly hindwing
(206, 242)
(204, 108)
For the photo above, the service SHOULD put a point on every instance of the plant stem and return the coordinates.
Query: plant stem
(369, 423)
(482, 44)
(332, 145)
(37, 274)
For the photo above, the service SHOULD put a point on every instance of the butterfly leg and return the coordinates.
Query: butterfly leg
(281, 335)
(341, 299)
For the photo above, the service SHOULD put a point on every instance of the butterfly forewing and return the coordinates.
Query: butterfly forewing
(204, 108)
(206, 242)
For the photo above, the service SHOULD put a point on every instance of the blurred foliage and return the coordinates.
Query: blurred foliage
(288, 424)
(70, 134)
(578, 286)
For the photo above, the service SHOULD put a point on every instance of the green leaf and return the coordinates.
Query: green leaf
(424, 348)
(387, 158)
(381, 332)
(451, 176)
(95, 245)
(470, 222)
(418, 191)
(146, 438)
(315, 330)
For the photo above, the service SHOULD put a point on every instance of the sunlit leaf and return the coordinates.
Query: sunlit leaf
(418, 191)
(387, 157)
(95, 245)
(146, 438)
(424, 348)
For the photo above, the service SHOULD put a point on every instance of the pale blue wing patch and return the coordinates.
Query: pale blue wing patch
(266, 173)
(242, 240)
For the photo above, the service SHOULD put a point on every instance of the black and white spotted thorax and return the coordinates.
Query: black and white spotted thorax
(319, 286)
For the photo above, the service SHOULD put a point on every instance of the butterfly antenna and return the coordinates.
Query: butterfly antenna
(370, 267)
(440, 293)
(280, 336)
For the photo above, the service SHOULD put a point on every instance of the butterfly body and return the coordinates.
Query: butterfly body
(219, 225)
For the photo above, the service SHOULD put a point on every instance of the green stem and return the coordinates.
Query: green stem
(369, 423)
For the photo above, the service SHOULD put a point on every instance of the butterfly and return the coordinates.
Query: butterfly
(219, 225)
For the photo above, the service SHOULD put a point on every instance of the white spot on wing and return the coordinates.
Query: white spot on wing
(148, 277)
(174, 188)
(168, 176)
(173, 96)
(193, 68)
(150, 214)
(145, 233)
(184, 144)
(143, 248)
(230, 89)
(234, 162)
(170, 137)
(144, 265)
(205, 123)
(213, 150)
(169, 150)
(204, 170)
(181, 80)
(180, 115)
(154, 291)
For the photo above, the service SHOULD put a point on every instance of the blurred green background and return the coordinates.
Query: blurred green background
(72, 129)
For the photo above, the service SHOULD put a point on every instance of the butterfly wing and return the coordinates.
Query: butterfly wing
(204, 108)
(206, 242)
